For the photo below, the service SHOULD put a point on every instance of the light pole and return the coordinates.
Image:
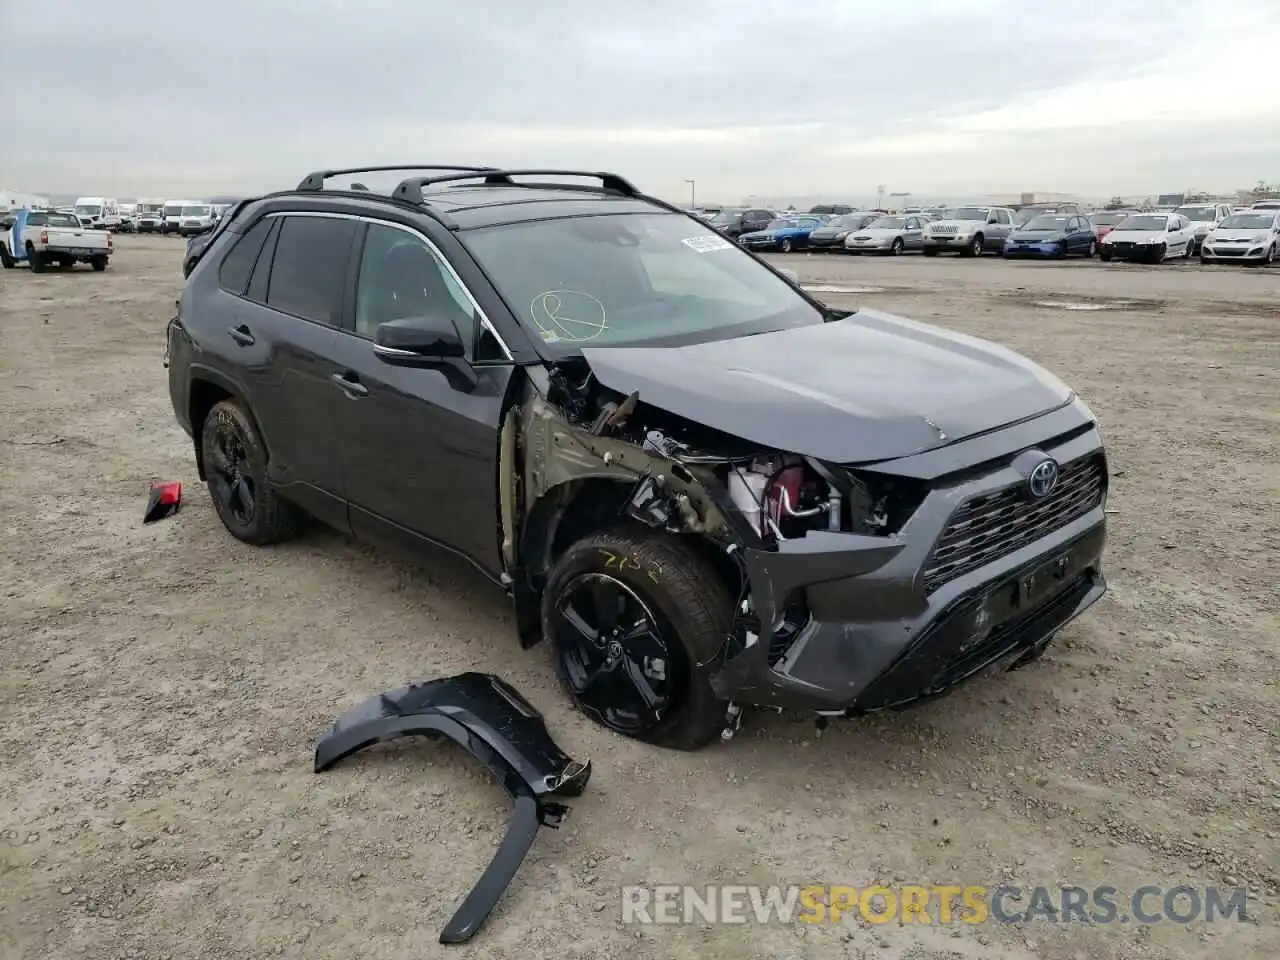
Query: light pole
(693, 193)
(879, 196)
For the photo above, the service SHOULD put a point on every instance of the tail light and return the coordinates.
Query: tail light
(44, 236)
(110, 242)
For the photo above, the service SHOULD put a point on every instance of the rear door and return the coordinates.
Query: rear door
(286, 326)
(913, 235)
(419, 445)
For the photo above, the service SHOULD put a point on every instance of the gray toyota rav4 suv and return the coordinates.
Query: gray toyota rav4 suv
(701, 487)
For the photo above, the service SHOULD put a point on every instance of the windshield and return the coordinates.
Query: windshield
(1026, 214)
(201, 211)
(1197, 213)
(149, 209)
(89, 209)
(726, 216)
(633, 279)
(1249, 221)
(968, 213)
(1144, 223)
(850, 221)
(172, 210)
(1047, 222)
(782, 224)
(61, 220)
(1107, 219)
(887, 223)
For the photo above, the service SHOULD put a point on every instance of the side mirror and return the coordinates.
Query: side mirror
(417, 339)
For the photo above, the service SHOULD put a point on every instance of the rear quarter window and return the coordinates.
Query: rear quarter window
(237, 265)
(309, 268)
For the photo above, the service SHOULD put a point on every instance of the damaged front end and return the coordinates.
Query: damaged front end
(840, 608)
(496, 725)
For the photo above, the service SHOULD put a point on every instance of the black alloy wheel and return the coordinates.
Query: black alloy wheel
(235, 466)
(613, 654)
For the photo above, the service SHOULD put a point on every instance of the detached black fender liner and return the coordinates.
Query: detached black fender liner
(491, 721)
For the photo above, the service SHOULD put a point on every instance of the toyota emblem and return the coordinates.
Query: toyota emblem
(1044, 477)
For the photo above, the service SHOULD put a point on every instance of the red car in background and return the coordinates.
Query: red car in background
(1104, 221)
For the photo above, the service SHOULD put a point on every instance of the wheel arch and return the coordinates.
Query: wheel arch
(206, 389)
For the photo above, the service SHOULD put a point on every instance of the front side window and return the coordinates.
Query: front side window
(309, 267)
(400, 277)
(648, 279)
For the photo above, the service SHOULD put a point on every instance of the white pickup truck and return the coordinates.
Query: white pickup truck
(45, 238)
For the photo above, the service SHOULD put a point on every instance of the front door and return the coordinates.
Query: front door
(419, 445)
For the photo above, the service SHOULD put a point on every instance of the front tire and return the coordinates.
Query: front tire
(976, 247)
(930, 251)
(6, 260)
(627, 613)
(1105, 256)
(785, 245)
(897, 247)
(1092, 250)
(235, 462)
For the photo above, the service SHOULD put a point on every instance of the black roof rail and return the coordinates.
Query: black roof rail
(411, 190)
(315, 181)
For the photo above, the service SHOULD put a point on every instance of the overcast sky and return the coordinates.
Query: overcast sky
(129, 98)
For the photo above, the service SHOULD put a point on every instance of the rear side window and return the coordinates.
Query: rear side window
(237, 265)
(310, 267)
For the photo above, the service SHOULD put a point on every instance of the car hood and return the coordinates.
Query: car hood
(1227, 235)
(876, 233)
(1038, 235)
(829, 231)
(963, 224)
(1136, 236)
(870, 387)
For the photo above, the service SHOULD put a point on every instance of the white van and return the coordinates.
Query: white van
(150, 216)
(197, 217)
(99, 213)
(173, 215)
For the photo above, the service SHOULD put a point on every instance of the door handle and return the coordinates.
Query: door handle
(351, 386)
(242, 335)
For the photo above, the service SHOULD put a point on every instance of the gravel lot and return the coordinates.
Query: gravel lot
(162, 685)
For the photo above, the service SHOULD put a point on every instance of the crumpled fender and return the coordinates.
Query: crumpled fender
(491, 721)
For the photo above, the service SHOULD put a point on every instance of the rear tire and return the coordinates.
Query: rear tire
(235, 462)
(36, 260)
(677, 611)
(98, 263)
(6, 260)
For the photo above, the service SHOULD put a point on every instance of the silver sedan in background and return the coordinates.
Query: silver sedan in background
(890, 234)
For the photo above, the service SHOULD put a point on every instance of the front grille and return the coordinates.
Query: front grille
(944, 229)
(994, 525)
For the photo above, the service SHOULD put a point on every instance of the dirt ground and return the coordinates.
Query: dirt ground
(162, 685)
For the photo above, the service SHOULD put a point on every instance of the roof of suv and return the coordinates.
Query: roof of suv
(469, 197)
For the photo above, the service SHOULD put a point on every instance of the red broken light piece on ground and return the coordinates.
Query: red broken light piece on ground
(165, 499)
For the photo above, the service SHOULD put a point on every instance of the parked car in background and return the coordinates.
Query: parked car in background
(46, 238)
(1104, 221)
(833, 209)
(785, 234)
(1204, 217)
(734, 223)
(1052, 235)
(833, 233)
(98, 213)
(888, 234)
(968, 231)
(1029, 211)
(1265, 205)
(1247, 236)
(173, 216)
(1149, 237)
(196, 218)
(150, 216)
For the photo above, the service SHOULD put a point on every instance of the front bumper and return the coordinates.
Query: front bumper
(1047, 249)
(1237, 252)
(876, 638)
(949, 242)
(869, 246)
(826, 243)
(1135, 252)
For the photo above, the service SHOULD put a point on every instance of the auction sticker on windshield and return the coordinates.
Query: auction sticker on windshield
(706, 244)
